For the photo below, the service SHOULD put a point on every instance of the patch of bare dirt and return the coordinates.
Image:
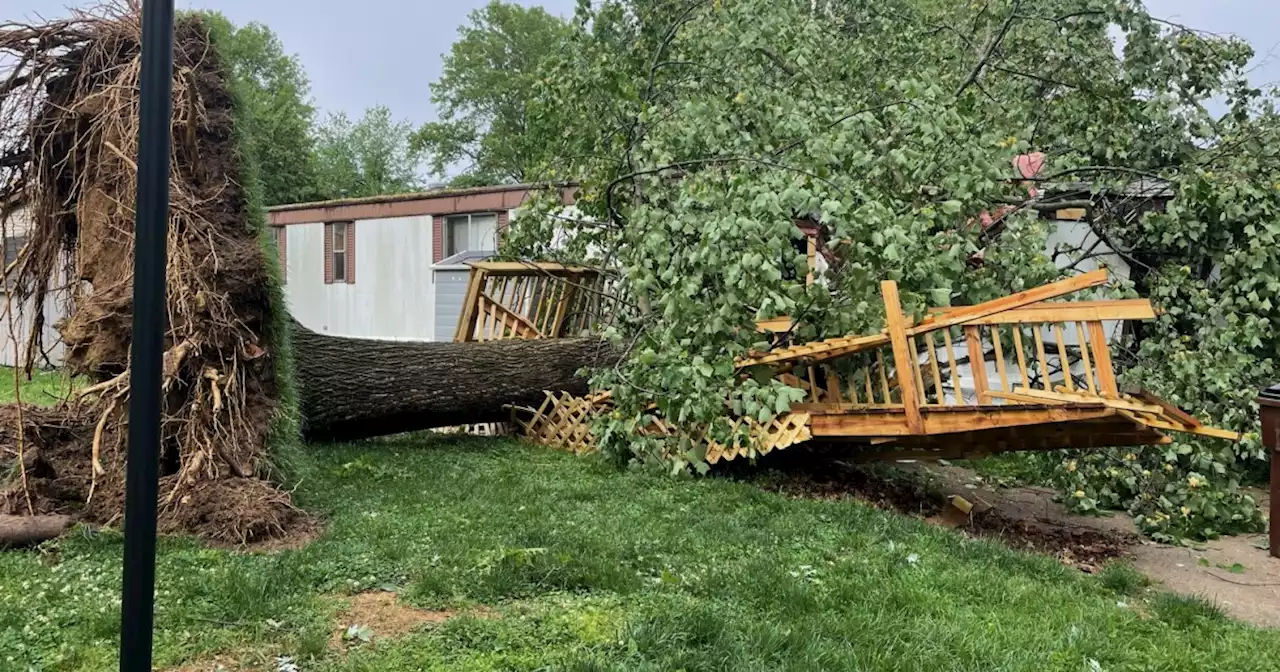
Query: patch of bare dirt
(380, 615)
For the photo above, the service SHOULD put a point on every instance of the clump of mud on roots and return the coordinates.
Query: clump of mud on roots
(68, 135)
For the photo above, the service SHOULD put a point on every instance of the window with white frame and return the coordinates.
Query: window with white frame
(339, 251)
(470, 232)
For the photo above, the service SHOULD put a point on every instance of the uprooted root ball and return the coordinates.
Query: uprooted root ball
(70, 116)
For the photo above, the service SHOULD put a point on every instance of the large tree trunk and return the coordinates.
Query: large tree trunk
(354, 388)
(31, 530)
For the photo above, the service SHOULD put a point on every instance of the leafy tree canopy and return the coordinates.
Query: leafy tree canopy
(274, 88)
(490, 76)
(700, 129)
(368, 157)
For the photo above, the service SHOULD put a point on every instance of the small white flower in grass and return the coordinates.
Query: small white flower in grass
(1122, 604)
(1094, 666)
(286, 664)
(913, 559)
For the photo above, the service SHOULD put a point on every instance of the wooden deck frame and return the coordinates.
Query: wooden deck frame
(511, 299)
(1060, 391)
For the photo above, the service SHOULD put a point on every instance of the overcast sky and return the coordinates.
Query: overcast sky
(387, 52)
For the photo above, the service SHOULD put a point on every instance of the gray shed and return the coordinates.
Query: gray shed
(451, 276)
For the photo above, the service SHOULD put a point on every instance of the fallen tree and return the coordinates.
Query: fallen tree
(358, 388)
(30, 530)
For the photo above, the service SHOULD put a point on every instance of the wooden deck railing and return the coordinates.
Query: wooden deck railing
(1015, 350)
(507, 300)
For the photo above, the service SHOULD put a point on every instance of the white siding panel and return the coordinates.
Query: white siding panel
(56, 306)
(50, 355)
(451, 291)
(392, 296)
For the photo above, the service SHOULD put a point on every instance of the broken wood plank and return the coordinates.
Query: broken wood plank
(895, 322)
(1065, 311)
(961, 315)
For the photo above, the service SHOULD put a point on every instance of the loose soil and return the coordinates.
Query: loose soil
(1236, 573)
(384, 617)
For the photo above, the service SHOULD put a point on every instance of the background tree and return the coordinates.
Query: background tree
(274, 89)
(484, 96)
(368, 157)
(702, 128)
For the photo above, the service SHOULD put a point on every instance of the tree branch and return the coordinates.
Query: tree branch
(990, 50)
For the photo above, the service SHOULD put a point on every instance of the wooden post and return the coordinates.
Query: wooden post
(977, 362)
(467, 321)
(903, 359)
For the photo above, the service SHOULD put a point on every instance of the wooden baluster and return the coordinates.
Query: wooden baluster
(1044, 359)
(833, 387)
(1022, 357)
(1084, 357)
(918, 372)
(490, 320)
(884, 376)
(518, 304)
(871, 395)
(933, 368)
(896, 324)
(978, 362)
(1062, 356)
(480, 318)
(956, 392)
(813, 386)
(504, 301)
(546, 306)
(1102, 355)
(1000, 366)
(534, 288)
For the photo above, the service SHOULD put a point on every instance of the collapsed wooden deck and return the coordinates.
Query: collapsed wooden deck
(1023, 372)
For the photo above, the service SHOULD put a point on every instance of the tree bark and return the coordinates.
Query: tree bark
(355, 388)
(30, 530)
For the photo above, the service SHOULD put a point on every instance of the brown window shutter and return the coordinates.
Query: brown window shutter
(282, 242)
(437, 239)
(328, 254)
(351, 252)
(504, 220)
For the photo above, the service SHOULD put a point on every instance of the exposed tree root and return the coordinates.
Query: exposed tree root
(68, 109)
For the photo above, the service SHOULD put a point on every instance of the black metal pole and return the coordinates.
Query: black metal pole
(137, 608)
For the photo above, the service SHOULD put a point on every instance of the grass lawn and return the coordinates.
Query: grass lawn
(583, 567)
(44, 389)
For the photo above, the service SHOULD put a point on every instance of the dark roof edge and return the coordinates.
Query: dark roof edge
(420, 195)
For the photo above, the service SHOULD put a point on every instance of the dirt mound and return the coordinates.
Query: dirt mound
(71, 111)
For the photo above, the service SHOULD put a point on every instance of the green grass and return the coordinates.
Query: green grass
(45, 388)
(590, 568)
(1121, 578)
